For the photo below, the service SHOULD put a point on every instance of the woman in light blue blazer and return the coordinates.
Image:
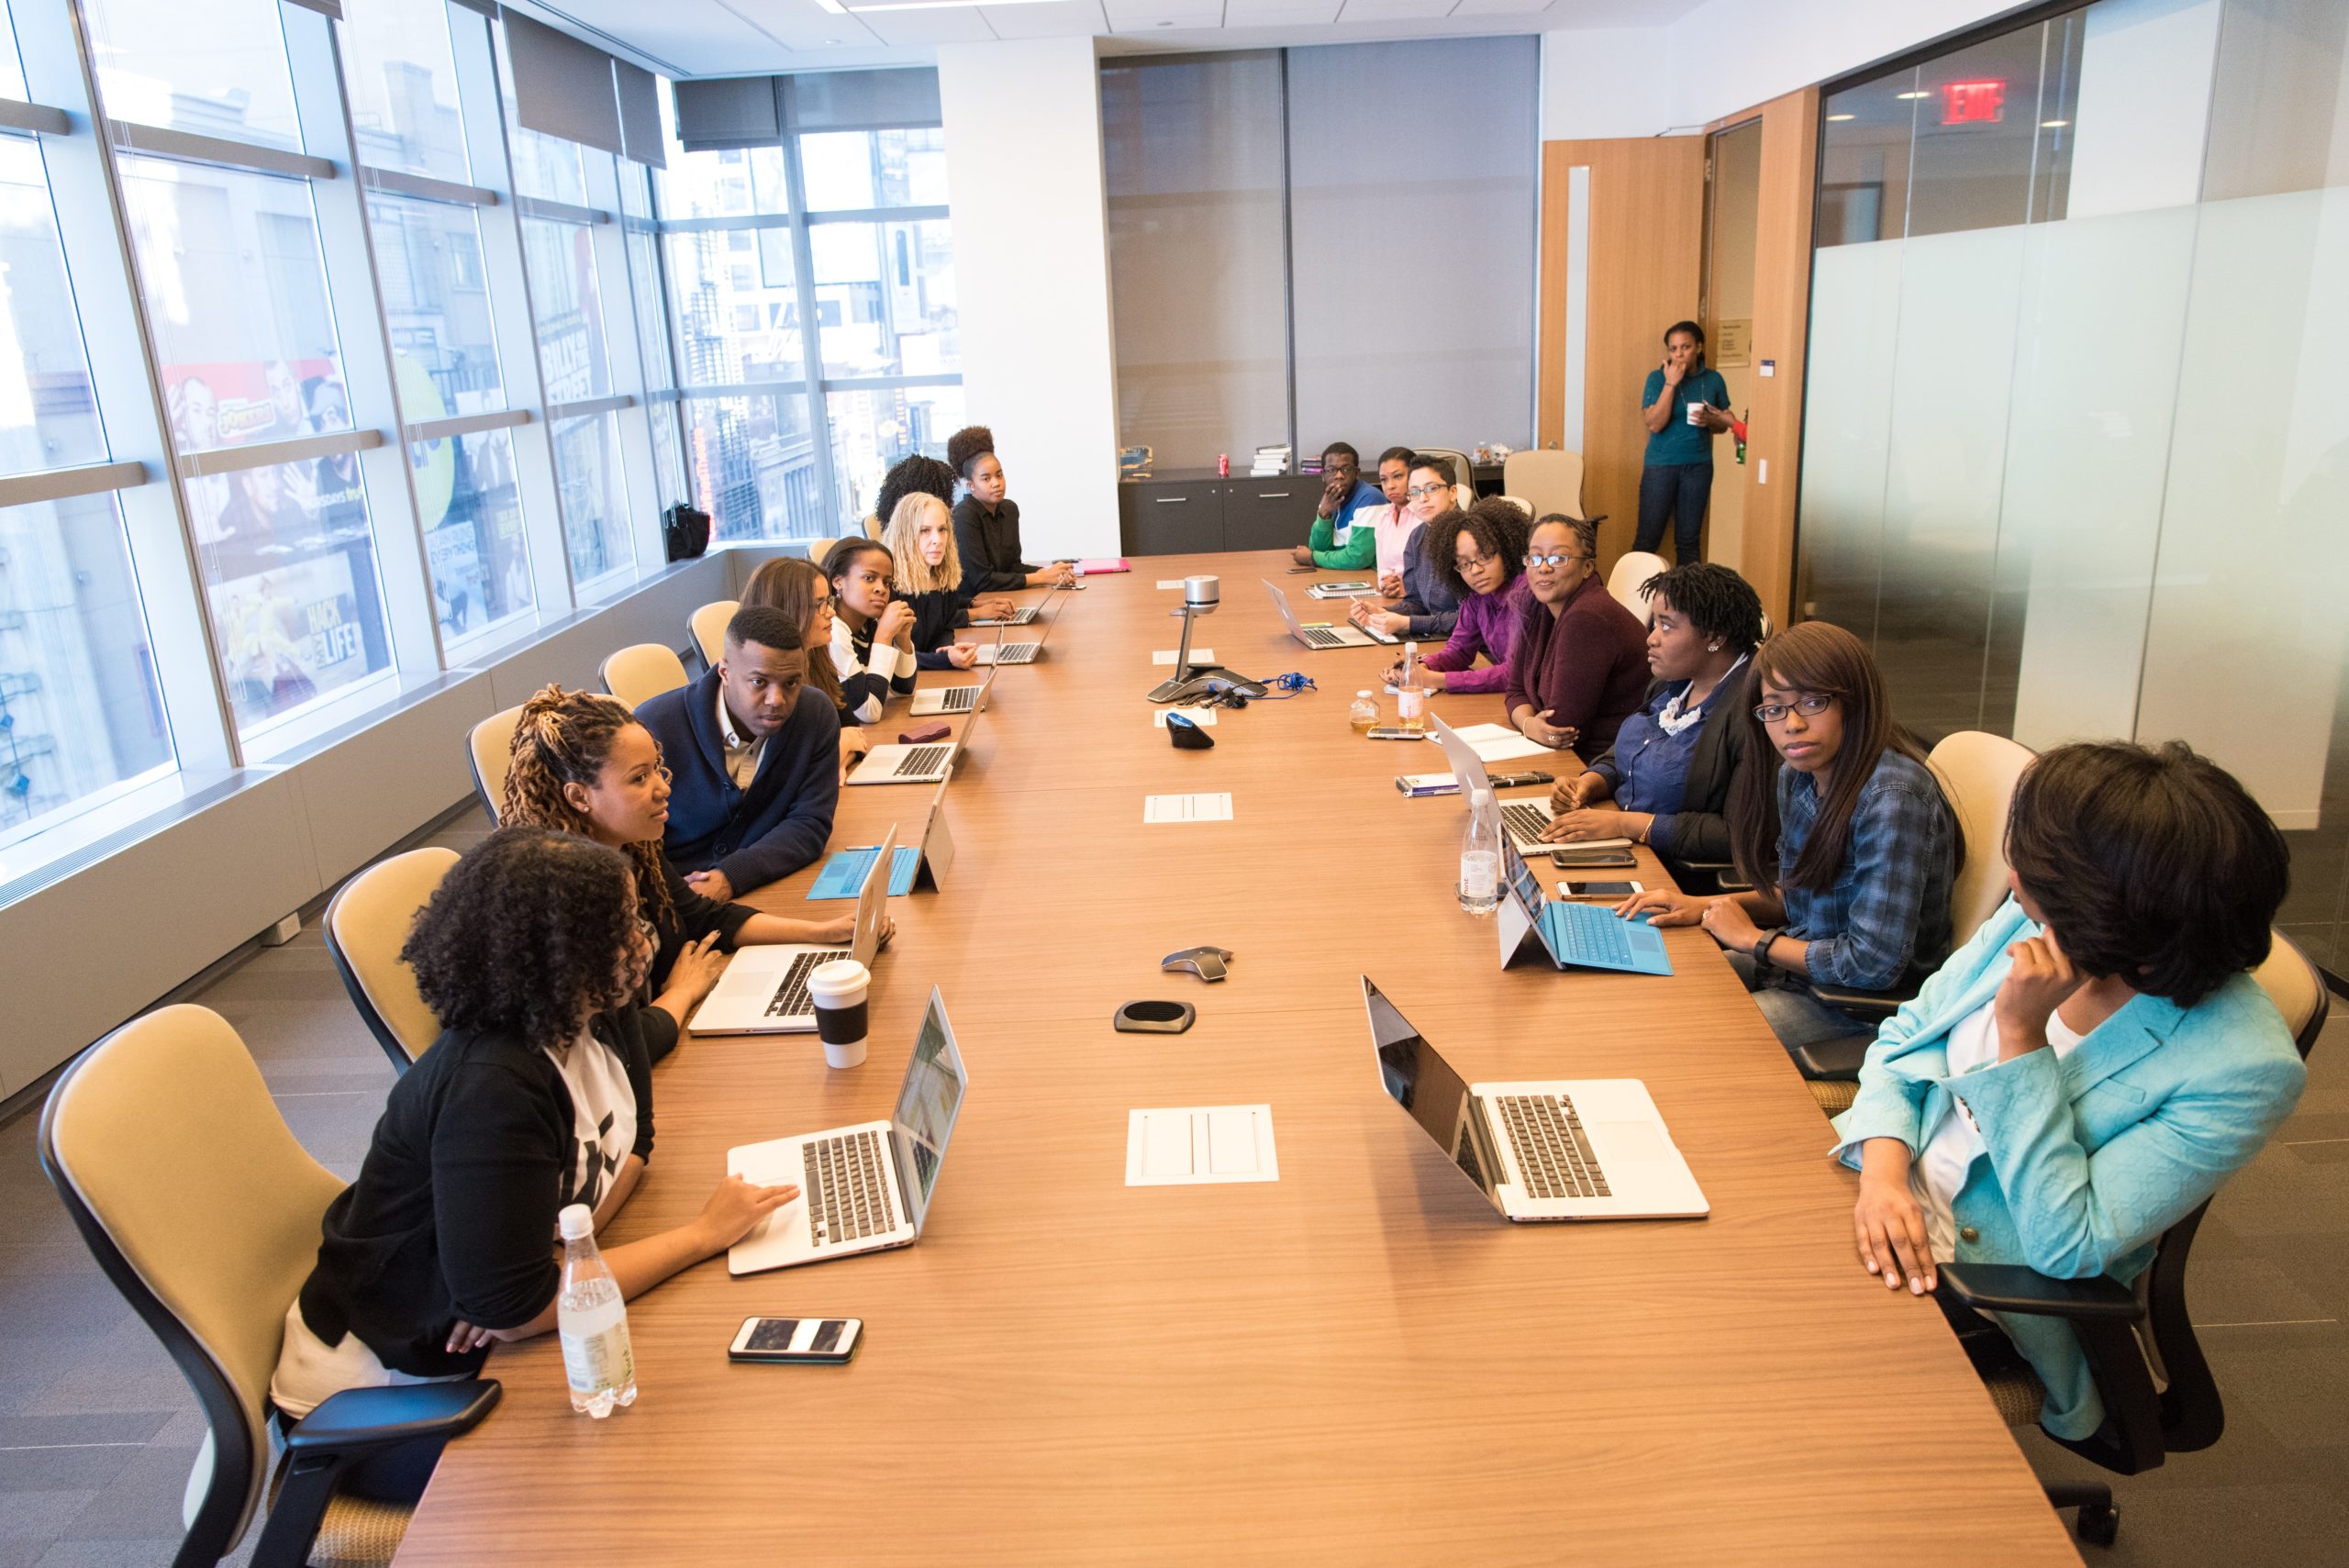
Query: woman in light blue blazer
(2097, 1061)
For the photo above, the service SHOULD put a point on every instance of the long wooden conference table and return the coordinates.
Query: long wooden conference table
(1359, 1363)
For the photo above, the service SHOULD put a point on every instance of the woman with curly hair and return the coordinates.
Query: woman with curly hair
(583, 764)
(917, 474)
(537, 1094)
(986, 525)
(797, 587)
(1481, 553)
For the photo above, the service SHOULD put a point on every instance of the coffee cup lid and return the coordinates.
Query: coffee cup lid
(839, 975)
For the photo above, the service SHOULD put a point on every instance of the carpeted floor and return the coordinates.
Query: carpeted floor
(97, 1432)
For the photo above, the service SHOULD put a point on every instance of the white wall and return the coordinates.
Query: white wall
(1605, 82)
(1031, 262)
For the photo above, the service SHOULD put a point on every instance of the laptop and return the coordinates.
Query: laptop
(1321, 634)
(1572, 936)
(864, 1188)
(930, 701)
(1525, 819)
(927, 763)
(937, 843)
(1563, 1149)
(1002, 652)
(764, 988)
(1023, 616)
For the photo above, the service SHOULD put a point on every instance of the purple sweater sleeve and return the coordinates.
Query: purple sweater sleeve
(1488, 625)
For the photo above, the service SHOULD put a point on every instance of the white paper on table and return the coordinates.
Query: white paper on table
(1199, 656)
(1170, 582)
(1184, 1145)
(1195, 715)
(1187, 808)
(1499, 743)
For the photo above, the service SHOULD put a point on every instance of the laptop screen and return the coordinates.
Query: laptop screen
(1419, 1079)
(926, 1107)
(1467, 768)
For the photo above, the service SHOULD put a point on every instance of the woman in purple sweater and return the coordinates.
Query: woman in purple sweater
(1580, 666)
(1483, 563)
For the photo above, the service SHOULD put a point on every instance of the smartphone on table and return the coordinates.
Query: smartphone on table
(810, 1341)
(1615, 891)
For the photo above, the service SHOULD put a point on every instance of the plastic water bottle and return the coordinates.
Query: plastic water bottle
(1480, 857)
(1410, 694)
(593, 1321)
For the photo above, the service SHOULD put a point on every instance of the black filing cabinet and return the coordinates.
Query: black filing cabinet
(1268, 514)
(1175, 515)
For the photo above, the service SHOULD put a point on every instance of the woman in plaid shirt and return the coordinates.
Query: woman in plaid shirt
(1841, 829)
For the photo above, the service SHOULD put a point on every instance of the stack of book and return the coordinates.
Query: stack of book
(1270, 461)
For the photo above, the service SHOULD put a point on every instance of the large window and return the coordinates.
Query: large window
(816, 343)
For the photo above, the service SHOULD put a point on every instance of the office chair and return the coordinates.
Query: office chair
(641, 671)
(489, 749)
(1550, 479)
(819, 548)
(366, 925)
(1633, 568)
(874, 526)
(1977, 772)
(202, 1210)
(707, 627)
(2130, 1333)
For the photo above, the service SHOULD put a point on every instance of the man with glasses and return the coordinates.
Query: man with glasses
(1425, 605)
(1580, 666)
(754, 748)
(1336, 544)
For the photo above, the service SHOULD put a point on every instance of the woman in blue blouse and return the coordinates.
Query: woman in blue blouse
(1665, 780)
(2095, 1062)
(1847, 841)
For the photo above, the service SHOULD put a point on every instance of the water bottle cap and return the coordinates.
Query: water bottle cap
(1475, 797)
(576, 1222)
(1362, 694)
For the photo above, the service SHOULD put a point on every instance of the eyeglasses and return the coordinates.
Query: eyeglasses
(1416, 491)
(1534, 560)
(1810, 705)
(1470, 562)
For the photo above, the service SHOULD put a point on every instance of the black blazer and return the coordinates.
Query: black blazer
(1699, 830)
(452, 1216)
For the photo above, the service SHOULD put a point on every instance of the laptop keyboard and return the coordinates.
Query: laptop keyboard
(1524, 821)
(957, 699)
(1587, 934)
(920, 760)
(790, 999)
(1321, 637)
(848, 1188)
(1015, 653)
(1553, 1154)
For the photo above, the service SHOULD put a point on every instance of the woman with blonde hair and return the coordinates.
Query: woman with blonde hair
(929, 571)
(797, 587)
(583, 764)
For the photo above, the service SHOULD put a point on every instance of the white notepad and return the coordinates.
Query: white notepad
(1199, 656)
(1187, 808)
(1183, 1145)
(1499, 742)
(1170, 582)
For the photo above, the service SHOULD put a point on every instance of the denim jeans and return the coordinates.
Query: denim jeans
(1796, 1017)
(1681, 492)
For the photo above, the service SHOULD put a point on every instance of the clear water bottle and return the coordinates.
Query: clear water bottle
(1480, 856)
(1363, 715)
(1411, 693)
(593, 1321)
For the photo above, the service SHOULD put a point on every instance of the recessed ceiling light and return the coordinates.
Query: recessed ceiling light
(1905, 97)
(1832, 117)
(2053, 125)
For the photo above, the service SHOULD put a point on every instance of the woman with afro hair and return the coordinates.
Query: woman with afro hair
(986, 525)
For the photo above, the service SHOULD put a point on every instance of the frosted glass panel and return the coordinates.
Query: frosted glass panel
(2244, 651)
(1847, 429)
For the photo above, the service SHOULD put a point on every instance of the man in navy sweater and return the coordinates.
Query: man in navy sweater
(755, 755)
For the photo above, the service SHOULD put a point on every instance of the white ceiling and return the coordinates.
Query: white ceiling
(735, 38)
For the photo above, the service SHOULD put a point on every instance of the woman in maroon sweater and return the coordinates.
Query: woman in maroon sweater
(1580, 666)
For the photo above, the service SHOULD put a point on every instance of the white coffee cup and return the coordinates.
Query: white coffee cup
(1695, 413)
(838, 990)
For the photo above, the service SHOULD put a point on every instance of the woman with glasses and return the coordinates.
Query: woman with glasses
(1841, 827)
(1665, 780)
(797, 587)
(583, 764)
(1483, 566)
(1580, 665)
(1425, 605)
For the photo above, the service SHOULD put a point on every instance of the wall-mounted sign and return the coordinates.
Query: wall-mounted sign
(1974, 102)
(1769, 368)
(1732, 343)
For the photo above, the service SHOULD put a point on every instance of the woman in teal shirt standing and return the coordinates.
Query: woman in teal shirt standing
(1684, 404)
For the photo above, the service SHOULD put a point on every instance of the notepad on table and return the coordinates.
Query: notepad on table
(1498, 742)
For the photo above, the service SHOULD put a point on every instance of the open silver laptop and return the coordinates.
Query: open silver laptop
(931, 702)
(1002, 652)
(1525, 819)
(1561, 1148)
(1321, 634)
(927, 763)
(866, 1187)
(764, 988)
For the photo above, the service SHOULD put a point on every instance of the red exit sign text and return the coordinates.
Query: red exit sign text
(1973, 103)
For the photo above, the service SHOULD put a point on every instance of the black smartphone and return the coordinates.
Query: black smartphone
(812, 1341)
(1591, 860)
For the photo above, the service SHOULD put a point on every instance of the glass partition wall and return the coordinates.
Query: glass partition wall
(2073, 461)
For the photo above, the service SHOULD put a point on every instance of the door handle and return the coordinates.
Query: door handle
(1170, 500)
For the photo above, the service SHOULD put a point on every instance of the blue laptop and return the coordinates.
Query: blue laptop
(1574, 935)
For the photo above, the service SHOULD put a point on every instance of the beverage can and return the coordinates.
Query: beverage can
(1223, 465)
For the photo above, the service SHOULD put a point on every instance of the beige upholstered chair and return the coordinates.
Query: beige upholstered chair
(1550, 479)
(1522, 504)
(641, 671)
(708, 625)
(366, 926)
(819, 548)
(874, 526)
(490, 749)
(1633, 568)
(167, 1152)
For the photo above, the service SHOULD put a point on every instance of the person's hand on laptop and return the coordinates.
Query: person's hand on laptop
(696, 970)
(734, 1210)
(1574, 794)
(1594, 822)
(996, 607)
(1665, 906)
(962, 655)
(841, 928)
(711, 884)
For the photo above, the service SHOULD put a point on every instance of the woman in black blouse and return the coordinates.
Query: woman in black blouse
(987, 525)
(583, 764)
(537, 1095)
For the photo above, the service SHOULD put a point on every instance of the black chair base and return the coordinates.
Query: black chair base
(2099, 1520)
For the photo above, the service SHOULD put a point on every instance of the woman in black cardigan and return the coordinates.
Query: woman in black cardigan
(1665, 781)
(537, 1095)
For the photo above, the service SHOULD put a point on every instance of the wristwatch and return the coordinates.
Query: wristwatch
(1761, 948)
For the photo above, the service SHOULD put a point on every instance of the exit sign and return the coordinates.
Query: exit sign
(1973, 103)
